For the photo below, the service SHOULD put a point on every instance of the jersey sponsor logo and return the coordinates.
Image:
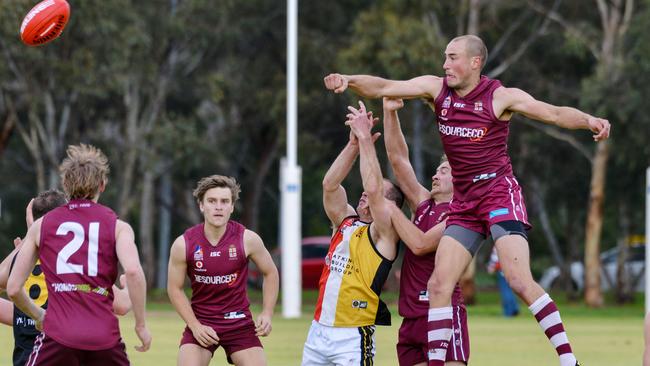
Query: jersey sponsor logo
(423, 296)
(234, 315)
(443, 112)
(359, 304)
(478, 107)
(447, 102)
(473, 134)
(499, 212)
(459, 105)
(198, 253)
(340, 264)
(217, 280)
(199, 264)
(81, 287)
(484, 176)
(232, 252)
(215, 254)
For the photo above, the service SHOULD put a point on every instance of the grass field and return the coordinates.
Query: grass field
(611, 336)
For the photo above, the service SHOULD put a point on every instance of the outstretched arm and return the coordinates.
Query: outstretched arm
(373, 181)
(335, 199)
(257, 252)
(518, 101)
(420, 243)
(398, 155)
(127, 254)
(427, 86)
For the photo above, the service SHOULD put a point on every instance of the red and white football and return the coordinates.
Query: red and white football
(45, 22)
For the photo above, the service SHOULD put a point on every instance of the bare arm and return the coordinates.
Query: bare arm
(518, 101)
(25, 260)
(127, 254)
(420, 243)
(427, 86)
(256, 251)
(398, 155)
(373, 182)
(335, 199)
(176, 270)
(5, 267)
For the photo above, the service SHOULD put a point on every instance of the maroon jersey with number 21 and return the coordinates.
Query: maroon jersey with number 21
(78, 258)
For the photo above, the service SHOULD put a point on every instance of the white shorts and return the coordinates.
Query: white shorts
(339, 346)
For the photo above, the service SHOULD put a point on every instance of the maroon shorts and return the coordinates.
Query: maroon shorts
(503, 201)
(412, 340)
(232, 340)
(48, 352)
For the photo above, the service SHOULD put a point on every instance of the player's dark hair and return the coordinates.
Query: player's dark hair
(395, 194)
(47, 201)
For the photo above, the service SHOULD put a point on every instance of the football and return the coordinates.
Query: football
(45, 22)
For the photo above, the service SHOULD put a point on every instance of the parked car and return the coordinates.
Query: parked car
(314, 250)
(634, 265)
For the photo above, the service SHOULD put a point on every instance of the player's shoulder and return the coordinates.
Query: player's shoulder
(505, 94)
(252, 237)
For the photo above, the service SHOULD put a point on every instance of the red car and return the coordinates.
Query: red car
(314, 250)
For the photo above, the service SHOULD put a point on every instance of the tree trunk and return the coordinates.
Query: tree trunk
(593, 294)
(146, 227)
(623, 288)
(164, 228)
(251, 201)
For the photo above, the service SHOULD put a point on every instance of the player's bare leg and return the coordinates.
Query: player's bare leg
(193, 355)
(515, 262)
(249, 357)
(451, 260)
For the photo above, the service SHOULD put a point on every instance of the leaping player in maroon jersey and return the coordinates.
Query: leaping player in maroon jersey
(473, 114)
(80, 245)
(214, 255)
(428, 211)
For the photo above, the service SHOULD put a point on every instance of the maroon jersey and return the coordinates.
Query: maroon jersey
(218, 274)
(416, 270)
(78, 258)
(473, 137)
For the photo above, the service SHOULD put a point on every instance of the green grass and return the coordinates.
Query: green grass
(610, 336)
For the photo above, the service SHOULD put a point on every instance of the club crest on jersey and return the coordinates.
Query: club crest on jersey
(198, 253)
(478, 107)
(447, 102)
(232, 252)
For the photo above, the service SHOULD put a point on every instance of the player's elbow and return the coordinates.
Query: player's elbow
(120, 309)
(13, 290)
(134, 273)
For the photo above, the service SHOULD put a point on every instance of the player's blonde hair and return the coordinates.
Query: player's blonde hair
(83, 171)
(216, 181)
(474, 46)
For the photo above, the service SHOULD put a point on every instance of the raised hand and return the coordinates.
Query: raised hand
(600, 127)
(391, 104)
(336, 82)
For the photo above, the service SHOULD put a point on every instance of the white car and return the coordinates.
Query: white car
(635, 266)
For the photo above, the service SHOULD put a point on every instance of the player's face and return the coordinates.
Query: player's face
(217, 206)
(362, 207)
(458, 65)
(441, 182)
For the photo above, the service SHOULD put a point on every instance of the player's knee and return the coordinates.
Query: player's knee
(520, 283)
(437, 287)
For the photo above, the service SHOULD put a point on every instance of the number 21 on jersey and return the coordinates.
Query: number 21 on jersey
(62, 264)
